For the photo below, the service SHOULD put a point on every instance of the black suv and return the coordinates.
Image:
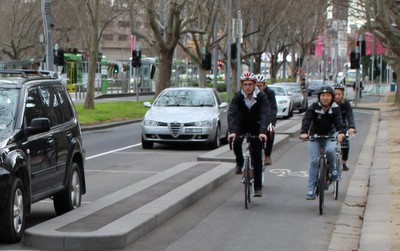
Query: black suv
(41, 152)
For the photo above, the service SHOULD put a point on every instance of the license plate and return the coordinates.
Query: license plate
(193, 130)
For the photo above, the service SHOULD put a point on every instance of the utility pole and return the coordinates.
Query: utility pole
(239, 48)
(228, 52)
(47, 28)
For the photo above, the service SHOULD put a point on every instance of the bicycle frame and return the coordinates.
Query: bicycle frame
(248, 171)
(323, 179)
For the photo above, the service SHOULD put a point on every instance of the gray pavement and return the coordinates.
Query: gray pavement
(363, 223)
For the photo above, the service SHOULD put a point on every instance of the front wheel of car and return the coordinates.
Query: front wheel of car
(147, 144)
(12, 214)
(216, 141)
(70, 198)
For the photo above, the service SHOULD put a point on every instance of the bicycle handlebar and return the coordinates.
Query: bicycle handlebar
(248, 137)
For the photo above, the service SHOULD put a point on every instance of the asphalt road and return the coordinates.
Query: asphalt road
(281, 220)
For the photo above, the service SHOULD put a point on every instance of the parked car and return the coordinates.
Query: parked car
(283, 100)
(40, 147)
(300, 99)
(186, 115)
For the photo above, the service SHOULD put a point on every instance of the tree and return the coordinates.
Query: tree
(20, 29)
(168, 22)
(383, 20)
(92, 24)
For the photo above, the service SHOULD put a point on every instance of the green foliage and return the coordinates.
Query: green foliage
(221, 87)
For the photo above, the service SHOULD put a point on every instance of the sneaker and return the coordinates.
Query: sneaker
(345, 167)
(267, 161)
(238, 169)
(310, 195)
(334, 175)
(258, 193)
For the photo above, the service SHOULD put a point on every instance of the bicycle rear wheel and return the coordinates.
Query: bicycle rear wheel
(247, 183)
(323, 169)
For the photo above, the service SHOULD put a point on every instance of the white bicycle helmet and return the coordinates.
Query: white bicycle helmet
(248, 76)
(260, 78)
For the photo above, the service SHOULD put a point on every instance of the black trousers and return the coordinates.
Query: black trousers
(269, 143)
(255, 153)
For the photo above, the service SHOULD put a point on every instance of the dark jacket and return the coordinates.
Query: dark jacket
(273, 109)
(316, 121)
(241, 119)
(347, 114)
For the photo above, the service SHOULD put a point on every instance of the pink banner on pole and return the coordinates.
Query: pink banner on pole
(132, 42)
(369, 43)
(319, 46)
(372, 41)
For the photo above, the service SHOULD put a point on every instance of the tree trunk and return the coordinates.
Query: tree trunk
(93, 51)
(165, 67)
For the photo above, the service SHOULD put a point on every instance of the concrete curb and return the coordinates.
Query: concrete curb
(129, 228)
(375, 234)
(348, 226)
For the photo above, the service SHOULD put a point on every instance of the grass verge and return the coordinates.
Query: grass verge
(108, 112)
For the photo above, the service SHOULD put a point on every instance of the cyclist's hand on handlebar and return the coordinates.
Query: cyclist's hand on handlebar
(304, 136)
(351, 132)
(263, 137)
(231, 137)
(340, 137)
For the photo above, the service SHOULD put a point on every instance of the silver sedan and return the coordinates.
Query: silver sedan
(185, 115)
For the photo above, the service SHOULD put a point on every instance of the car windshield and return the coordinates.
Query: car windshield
(293, 88)
(279, 91)
(190, 98)
(8, 105)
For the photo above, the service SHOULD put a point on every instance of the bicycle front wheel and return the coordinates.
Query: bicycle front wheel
(247, 183)
(323, 169)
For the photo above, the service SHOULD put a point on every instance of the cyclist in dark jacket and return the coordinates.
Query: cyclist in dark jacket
(273, 110)
(249, 113)
(348, 120)
(323, 118)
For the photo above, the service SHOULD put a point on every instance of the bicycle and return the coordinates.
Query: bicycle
(323, 175)
(247, 170)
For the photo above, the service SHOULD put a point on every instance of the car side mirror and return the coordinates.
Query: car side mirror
(38, 125)
(223, 105)
(147, 104)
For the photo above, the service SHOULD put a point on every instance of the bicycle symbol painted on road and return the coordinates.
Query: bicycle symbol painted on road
(288, 172)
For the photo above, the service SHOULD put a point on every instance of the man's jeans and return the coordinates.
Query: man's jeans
(314, 149)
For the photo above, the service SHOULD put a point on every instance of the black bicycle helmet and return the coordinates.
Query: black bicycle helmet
(326, 89)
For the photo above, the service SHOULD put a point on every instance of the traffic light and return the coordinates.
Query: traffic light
(206, 61)
(220, 64)
(233, 51)
(136, 58)
(59, 57)
(362, 47)
(354, 60)
(116, 69)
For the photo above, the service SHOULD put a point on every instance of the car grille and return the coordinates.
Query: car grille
(181, 137)
(175, 128)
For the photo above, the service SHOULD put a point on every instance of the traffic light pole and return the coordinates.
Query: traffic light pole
(47, 26)
(358, 73)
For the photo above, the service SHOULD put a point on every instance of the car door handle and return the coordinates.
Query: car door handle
(50, 142)
(69, 135)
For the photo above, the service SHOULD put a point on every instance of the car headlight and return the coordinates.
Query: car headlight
(150, 123)
(199, 124)
(282, 102)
